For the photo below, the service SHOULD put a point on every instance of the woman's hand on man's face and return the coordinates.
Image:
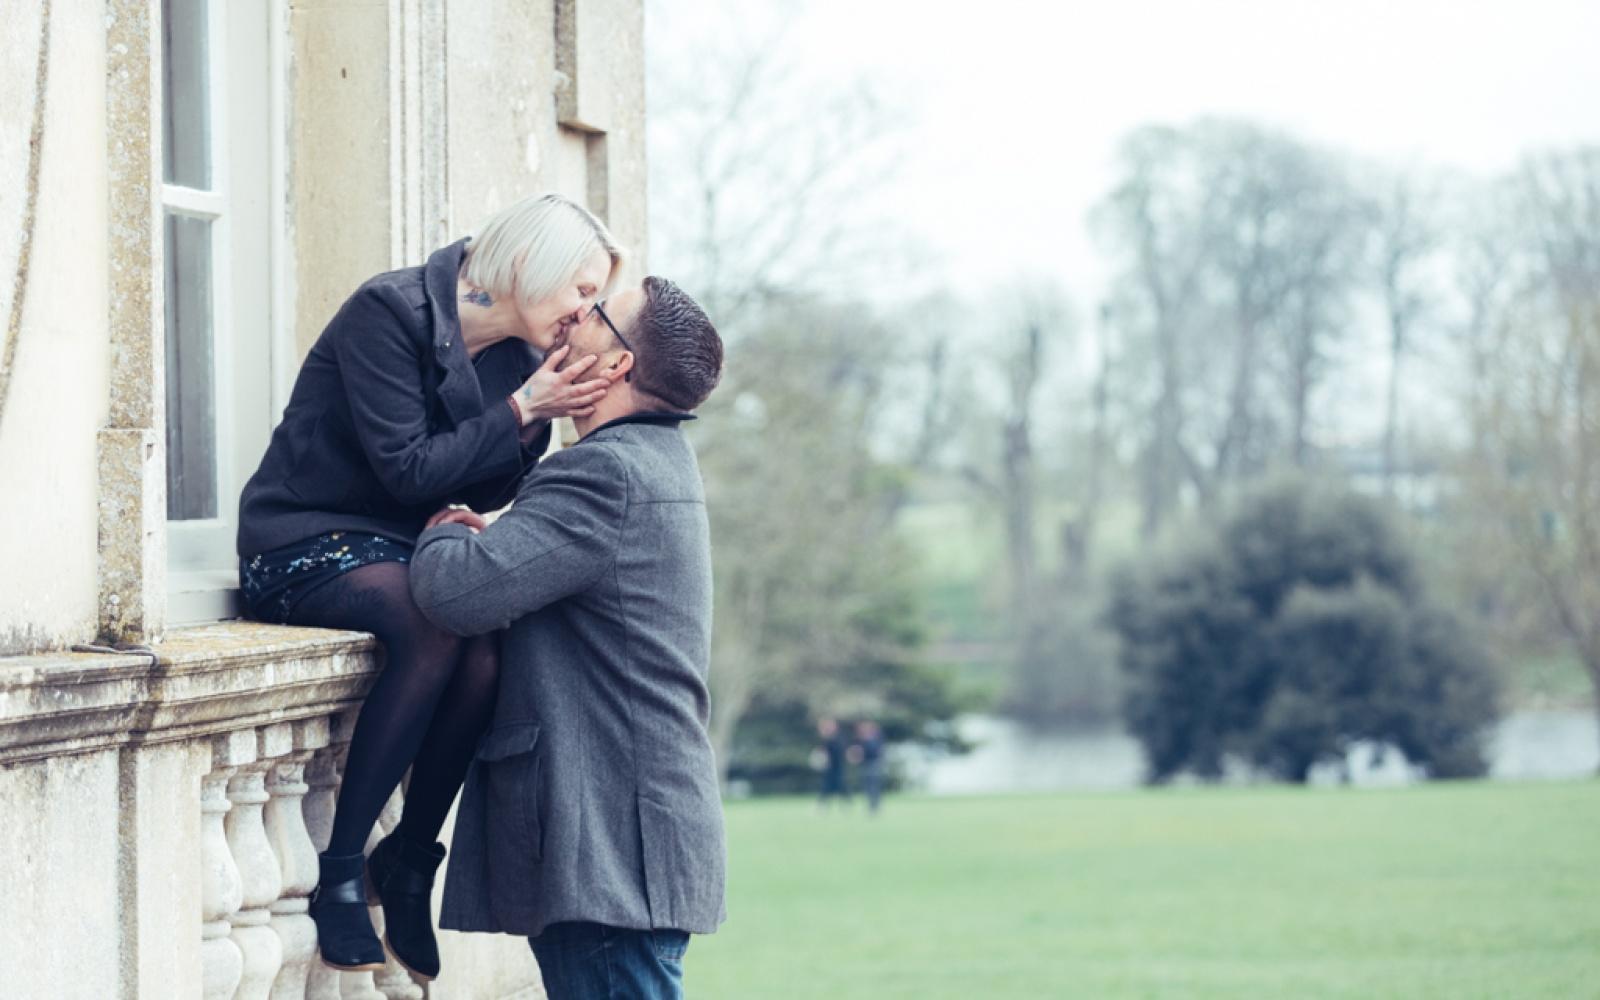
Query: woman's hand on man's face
(553, 392)
(459, 515)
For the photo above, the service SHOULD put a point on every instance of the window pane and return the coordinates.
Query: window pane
(191, 413)
(186, 124)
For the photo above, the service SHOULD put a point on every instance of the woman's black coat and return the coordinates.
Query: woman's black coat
(390, 419)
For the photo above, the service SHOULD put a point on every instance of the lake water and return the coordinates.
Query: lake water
(1010, 757)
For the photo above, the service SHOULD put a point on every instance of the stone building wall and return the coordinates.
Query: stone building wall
(404, 124)
(55, 373)
(162, 799)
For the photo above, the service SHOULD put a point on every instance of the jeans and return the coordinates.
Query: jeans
(585, 961)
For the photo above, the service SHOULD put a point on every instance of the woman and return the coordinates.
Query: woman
(423, 391)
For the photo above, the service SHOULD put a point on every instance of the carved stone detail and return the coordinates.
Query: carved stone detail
(221, 891)
(261, 879)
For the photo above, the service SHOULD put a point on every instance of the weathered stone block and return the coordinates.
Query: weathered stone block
(133, 523)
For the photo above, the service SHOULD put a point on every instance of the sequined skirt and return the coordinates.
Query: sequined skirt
(273, 582)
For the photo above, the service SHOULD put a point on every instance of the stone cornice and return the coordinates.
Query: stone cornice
(205, 680)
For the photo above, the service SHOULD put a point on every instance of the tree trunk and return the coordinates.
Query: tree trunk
(1162, 462)
(1391, 421)
(1017, 459)
(1077, 565)
(1591, 663)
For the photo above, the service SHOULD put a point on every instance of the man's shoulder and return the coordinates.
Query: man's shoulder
(580, 469)
(657, 458)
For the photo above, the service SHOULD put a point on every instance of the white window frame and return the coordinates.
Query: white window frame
(252, 351)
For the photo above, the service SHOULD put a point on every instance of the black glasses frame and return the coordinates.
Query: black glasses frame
(599, 308)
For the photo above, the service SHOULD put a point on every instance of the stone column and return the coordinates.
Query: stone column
(221, 889)
(297, 860)
(258, 866)
(132, 460)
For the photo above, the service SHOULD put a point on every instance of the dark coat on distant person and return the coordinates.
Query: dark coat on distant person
(390, 419)
(594, 795)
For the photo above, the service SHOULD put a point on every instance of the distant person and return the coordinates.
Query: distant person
(869, 747)
(834, 747)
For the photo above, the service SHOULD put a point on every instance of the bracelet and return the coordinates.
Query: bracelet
(516, 409)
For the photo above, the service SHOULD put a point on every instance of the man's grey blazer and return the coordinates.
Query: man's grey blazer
(594, 794)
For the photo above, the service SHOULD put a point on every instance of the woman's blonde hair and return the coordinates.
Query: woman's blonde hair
(532, 248)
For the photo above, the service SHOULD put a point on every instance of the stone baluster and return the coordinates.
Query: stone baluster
(395, 982)
(297, 859)
(221, 892)
(322, 781)
(258, 865)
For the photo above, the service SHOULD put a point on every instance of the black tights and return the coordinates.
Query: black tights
(431, 702)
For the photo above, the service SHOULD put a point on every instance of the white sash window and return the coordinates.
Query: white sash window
(218, 207)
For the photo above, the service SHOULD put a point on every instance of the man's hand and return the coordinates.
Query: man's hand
(458, 515)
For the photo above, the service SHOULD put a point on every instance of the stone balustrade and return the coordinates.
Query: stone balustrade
(165, 814)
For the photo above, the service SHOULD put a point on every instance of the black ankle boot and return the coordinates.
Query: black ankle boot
(339, 907)
(402, 873)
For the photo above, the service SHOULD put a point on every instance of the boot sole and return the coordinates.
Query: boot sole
(402, 962)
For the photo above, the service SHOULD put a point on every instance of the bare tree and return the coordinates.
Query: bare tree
(1078, 535)
(1538, 400)
(1005, 471)
(796, 498)
(1405, 237)
(762, 176)
(1147, 221)
(762, 179)
(1235, 245)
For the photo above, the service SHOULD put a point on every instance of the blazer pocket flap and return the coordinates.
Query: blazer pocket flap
(509, 740)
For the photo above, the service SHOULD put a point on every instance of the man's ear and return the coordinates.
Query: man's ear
(620, 367)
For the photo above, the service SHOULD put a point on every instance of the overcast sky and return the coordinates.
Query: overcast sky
(1013, 110)
(1015, 107)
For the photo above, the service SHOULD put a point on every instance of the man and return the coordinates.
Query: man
(869, 748)
(590, 820)
(832, 751)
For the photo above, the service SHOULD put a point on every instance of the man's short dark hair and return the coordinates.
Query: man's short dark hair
(679, 354)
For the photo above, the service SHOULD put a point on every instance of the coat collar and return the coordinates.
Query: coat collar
(669, 417)
(439, 280)
(458, 389)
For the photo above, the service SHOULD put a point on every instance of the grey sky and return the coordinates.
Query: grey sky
(1016, 106)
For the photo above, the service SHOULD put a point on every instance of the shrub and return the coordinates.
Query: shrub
(1289, 629)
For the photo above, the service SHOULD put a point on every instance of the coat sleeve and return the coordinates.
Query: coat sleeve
(380, 366)
(558, 539)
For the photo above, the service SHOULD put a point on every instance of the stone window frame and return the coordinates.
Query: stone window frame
(134, 599)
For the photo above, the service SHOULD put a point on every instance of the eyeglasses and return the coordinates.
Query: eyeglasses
(599, 308)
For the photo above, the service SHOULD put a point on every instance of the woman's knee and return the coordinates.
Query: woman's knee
(377, 599)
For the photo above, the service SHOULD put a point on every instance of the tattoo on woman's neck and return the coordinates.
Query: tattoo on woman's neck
(478, 297)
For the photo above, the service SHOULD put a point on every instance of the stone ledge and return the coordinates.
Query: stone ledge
(205, 680)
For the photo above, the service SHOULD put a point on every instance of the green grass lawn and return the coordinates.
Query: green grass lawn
(1449, 891)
